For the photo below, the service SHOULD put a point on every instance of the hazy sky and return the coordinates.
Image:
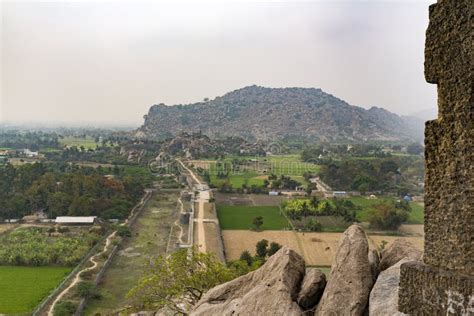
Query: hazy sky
(110, 61)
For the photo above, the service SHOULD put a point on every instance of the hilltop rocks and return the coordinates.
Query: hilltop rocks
(384, 296)
(348, 289)
(251, 113)
(270, 290)
(374, 262)
(398, 250)
(312, 289)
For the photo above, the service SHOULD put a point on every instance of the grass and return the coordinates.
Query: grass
(237, 180)
(241, 217)
(87, 142)
(416, 215)
(258, 167)
(149, 239)
(23, 288)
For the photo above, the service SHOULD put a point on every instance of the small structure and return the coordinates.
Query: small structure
(76, 220)
(339, 194)
(30, 154)
(273, 193)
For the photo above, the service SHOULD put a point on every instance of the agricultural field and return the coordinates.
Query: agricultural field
(150, 237)
(236, 211)
(27, 286)
(44, 246)
(254, 170)
(318, 249)
(241, 217)
(416, 215)
(87, 142)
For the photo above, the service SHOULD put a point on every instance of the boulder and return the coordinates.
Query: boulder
(312, 289)
(270, 290)
(384, 296)
(347, 291)
(374, 261)
(399, 249)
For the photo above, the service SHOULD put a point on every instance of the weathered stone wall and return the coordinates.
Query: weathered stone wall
(429, 290)
(449, 196)
(444, 282)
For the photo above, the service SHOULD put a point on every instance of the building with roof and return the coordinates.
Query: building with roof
(75, 220)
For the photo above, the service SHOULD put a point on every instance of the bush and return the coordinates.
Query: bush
(124, 231)
(247, 257)
(313, 226)
(64, 308)
(87, 290)
(274, 247)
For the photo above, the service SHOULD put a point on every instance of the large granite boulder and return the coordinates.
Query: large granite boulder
(349, 285)
(374, 262)
(399, 249)
(312, 289)
(270, 290)
(384, 296)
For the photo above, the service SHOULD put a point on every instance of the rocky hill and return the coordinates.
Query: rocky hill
(259, 113)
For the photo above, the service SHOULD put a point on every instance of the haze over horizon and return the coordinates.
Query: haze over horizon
(96, 62)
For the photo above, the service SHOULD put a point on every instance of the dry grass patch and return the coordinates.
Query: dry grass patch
(318, 249)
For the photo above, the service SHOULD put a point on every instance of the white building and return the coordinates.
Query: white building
(75, 220)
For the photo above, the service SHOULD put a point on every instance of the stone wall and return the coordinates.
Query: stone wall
(444, 282)
(449, 198)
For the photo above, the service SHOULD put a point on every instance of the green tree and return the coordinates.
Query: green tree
(257, 222)
(274, 247)
(261, 248)
(178, 280)
(387, 216)
(247, 257)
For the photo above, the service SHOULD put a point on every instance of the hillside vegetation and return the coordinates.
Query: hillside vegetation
(267, 113)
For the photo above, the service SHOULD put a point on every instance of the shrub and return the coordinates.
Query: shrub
(247, 257)
(124, 231)
(64, 308)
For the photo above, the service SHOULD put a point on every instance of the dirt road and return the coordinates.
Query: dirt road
(203, 198)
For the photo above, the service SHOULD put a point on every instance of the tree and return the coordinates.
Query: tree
(387, 216)
(178, 281)
(274, 247)
(247, 257)
(257, 222)
(261, 248)
(415, 149)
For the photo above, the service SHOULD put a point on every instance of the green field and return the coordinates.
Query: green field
(87, 142)
(23, 288)
(416, 215)
(241, 217)
(257, 168)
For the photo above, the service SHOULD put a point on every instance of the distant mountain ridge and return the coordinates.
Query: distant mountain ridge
(259, 113)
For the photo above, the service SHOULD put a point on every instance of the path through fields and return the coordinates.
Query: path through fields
(204, 195)
(78, 278)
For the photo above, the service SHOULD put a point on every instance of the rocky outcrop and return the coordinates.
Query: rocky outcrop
(312, 289)
(398, 250)
(270, 290)
(348, 288)
(374, 262)
(384, 296)
(251, 112)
